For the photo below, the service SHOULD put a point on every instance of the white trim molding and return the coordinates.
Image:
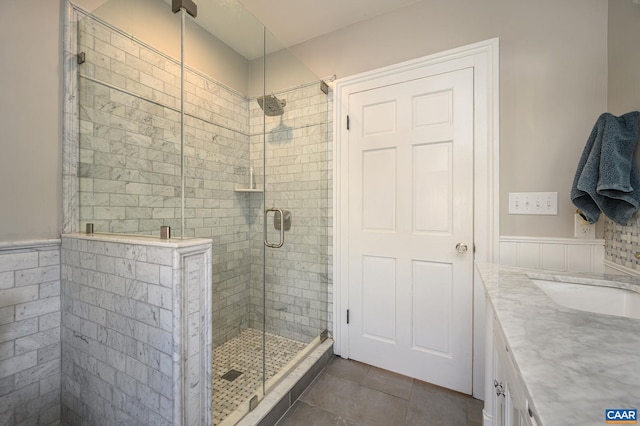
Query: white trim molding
(614, 268)
(29, 244)
(553, 254)
(483, 58)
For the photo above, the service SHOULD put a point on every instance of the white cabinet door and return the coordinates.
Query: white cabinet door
(499, 406)
(509, 399)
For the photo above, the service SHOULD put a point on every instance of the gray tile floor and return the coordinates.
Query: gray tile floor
(349, 393)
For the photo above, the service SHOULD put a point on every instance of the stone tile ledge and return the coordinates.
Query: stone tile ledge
(143, 240)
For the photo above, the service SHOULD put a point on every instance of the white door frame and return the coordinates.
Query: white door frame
(484, 58)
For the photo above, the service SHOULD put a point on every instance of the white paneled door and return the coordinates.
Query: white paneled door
(410, 188)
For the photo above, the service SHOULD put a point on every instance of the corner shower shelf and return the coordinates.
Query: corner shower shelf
(248, 190)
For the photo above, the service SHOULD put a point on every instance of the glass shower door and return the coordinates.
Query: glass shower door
(295, 154)
(224, 48)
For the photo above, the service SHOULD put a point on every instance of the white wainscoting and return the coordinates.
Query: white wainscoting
(554, 254)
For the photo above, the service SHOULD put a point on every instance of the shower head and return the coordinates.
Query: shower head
(271, 105)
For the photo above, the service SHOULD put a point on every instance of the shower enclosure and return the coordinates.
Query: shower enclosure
(195, 117)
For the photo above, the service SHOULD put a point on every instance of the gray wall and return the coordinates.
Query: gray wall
(30, 119)
(553, 81)
(624, 57)
(623, 96)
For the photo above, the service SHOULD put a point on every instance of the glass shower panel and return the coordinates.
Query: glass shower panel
(129, 108)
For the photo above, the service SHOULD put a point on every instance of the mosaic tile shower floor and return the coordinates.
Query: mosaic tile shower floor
(244, 353)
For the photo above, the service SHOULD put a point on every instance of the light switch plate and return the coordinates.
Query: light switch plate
(538, 203)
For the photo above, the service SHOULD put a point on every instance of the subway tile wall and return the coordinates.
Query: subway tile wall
(298, 180)
(129, 177)
(125, 336)
(30, 334)
(117, 345)
(130, 141)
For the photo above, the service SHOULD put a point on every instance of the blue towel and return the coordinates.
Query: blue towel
(607, 178)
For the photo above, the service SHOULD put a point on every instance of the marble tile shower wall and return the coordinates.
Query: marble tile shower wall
(130, 323)
(129, 177)
(117, 342)
(297, 180)
(129, 171)
(30, 335)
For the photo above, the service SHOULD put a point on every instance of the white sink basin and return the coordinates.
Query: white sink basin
(593, 298)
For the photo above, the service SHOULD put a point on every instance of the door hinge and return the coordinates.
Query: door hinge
(347, 122)
(347, 316)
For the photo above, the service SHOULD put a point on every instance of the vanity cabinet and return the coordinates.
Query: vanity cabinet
(547, 370)
(506, 404)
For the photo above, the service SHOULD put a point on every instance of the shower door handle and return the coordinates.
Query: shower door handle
(266, 242)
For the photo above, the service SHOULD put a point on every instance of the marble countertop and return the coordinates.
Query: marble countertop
(575, 364)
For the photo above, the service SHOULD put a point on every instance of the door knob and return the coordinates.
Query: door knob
(461, 248)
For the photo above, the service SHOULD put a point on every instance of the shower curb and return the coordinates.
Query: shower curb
(287, 392)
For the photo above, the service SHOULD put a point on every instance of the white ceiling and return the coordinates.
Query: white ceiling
(295, 21)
